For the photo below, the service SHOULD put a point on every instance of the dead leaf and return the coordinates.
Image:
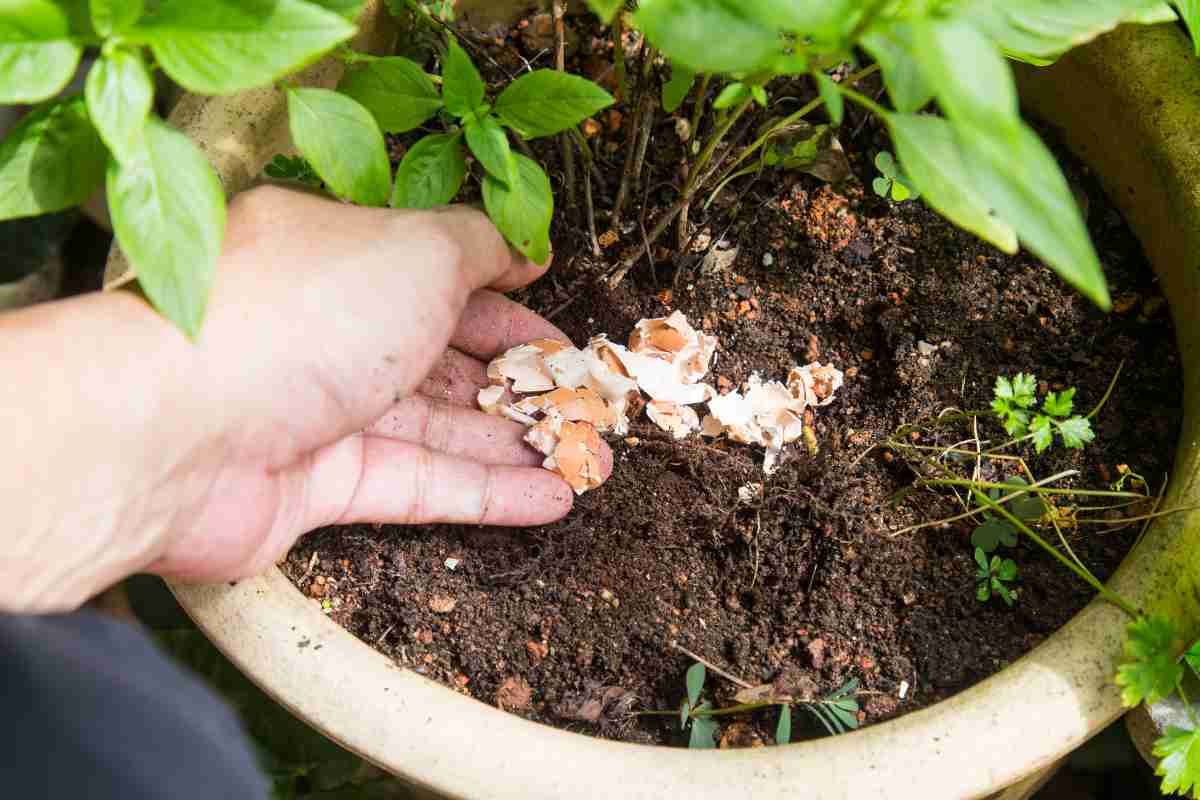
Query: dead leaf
(739, 735)
(515, 694)
(718, 260)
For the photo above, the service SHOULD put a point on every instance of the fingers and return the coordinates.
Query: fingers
(456, 431)
(455, 379)
(408, 484)
(486, 259)
(491, 323)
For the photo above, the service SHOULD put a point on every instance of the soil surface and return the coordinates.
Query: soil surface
(805, 586)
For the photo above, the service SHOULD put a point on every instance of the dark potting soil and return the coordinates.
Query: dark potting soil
(573, 624)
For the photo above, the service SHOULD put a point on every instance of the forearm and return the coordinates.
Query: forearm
(86, 416)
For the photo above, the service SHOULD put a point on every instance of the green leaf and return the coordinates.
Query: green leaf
(53, 159)
(1151, 669)
(900, 191)
(226, 46)
(119, 93)
(1192, 656)
(676, 90)
(1075, 432)
(1007, 570)
(1024, 387)
(982, 561)
(431, 173)
(1178, 751)
(704, 732)
(695, 682)
(395, 90)
(731, 95)
(1028, 508)
(1043, 433)
(37, 56)
(462, 86)
(606, 9)
(711, 35)
(1003, 591)
(168, 212)
(114, 16)
(292, 168)
(885, 163)
(1059, 404)
(832, 98)
(489, 143)
(1021, 180)
(523, 212)
(993, 533)
(1038, 31)
(546, 101)
(934, 161)
(783, 729)
(983, 592)
(891, 45)
(759, 94)
(349, 9)
(684, 710)
(343, 143)
(1189, 11)
(881, 186)
(971, 80)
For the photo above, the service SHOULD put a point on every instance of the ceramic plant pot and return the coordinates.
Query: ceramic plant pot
(1127, 104)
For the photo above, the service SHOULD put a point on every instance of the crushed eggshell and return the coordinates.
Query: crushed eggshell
(566, 395)
(677, 420)
(572, 449)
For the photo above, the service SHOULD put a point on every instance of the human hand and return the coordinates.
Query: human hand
(353, 342)
(333, 382)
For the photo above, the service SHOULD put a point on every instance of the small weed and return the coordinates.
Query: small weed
(891, 181)
(1014, 402)
(995, 531)
(991, 577)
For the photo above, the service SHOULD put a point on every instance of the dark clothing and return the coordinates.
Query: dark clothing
(90, 709)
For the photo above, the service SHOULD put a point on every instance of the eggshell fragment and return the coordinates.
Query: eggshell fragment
(677, 420)
(575, 405)
(674, 340)
(572, 449)
(815, 384)
(524, 365)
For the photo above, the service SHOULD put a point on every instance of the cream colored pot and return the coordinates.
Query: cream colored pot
(1128, 105)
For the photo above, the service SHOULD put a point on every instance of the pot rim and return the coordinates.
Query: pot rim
(966, 746)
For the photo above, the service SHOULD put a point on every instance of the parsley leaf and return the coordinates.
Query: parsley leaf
(1059, 404)
(993, 533)
(1151, 669)
(1043, 434)
(1178, 751)
(1011, 398)
(1075, 432)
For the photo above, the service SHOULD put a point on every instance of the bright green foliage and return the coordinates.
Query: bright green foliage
(37, 53)
(119, 94)
(395, 90)
(1014, 400)
(114, 16)
(783, 729)
(1151, 669)
(545, 101)
(431, 173)
(892, 181)
(1178, 751)
(704, 730)
(606, 9)
(1192, 657)
(832, 98)
(1189, 11)
(676, 90)
(52, 160)
(695, 682)
(224, 46)
(991, 577)
(489, 144)
(343, 143)
(462, 86)
(523, 211)
(731, 95)
(168, 213)
(292, 168)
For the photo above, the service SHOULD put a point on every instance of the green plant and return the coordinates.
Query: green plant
(891, 181)
(1014, 400)
(991, 577)
(994, 531)
(978, 164)
(167, 205)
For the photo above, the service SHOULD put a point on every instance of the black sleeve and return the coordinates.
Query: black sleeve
(91, 709)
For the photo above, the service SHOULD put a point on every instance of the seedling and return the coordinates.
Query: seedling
(1014, 403)
(991, 577)
(994, 531)
(891, 181)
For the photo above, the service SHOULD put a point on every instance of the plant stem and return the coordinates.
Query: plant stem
(862, 99)
(618, 39)
(711, 666)
(564, 141)
(700, 105)
(792, 119)
(1035, 489)
(1083, 574)
(589, 207)
(974, 511)
(1112, 383)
